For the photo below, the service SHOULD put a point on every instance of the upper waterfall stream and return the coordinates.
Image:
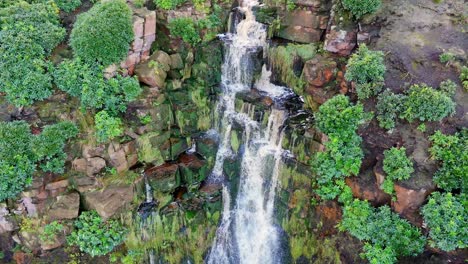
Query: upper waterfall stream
(247, 233)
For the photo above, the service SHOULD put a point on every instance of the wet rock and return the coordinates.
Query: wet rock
(64, 207)
(7, 223)
(329, 214)
(193, 169)
(164, 178)
(320, 71)
(340, 41)
(109, 201)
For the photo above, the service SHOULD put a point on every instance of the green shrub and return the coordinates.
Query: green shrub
(366, 68)
(28, 33)
(446, 217)
(95, 236)
(448, 87)
(50, 232)
(397, 167)
(446, 57)
(88, 83)
(20, 151)
(464, 77)
(451, 151)
(107, 127)
(382, 230)
(68, 5)
(361, 7)
(186, 29)
(388, 107)
(168, 4)
(426, 104)
(339, 117)
(104, 33)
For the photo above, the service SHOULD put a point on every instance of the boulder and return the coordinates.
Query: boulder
(80, 165)
(65, 207)
(57, 187)
(341, 42)
(301, 34)
(164, 178)
(94, 165)
(409, 201)
(320, 71)
(163, 59)
(177, 62)
(118, 158)
(149, 76)
(364, 187)
(85, 184)
(110, 200)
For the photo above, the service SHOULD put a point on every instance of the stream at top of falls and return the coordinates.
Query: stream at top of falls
(247, 232)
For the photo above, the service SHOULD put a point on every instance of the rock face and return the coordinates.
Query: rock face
(154, 71)
(364, 187)
(108, 201)
(6, 221)
(65, 207)
(340, 41)
(306, 23)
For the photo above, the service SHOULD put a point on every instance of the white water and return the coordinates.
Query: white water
(247, 233)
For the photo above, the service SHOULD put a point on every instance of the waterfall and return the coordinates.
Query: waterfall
(247, 233)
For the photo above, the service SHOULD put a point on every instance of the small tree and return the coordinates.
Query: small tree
(397, 167)
(446, 217)
(103, 34)
(366, 68)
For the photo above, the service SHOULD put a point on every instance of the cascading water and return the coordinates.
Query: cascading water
(247, 233)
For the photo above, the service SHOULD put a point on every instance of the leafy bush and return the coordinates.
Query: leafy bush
(446, 217)
(88, 83)
(446, 57)
(339, 119)
(464, 77)
(95, 236)
(20, 151)
(28, 33)
(366, 68)
(397, 167)
(168, 4)
(383, 231)
(107, 127)
(451, 151)
(426, 104)
(104, 33)
(68, 5)
(361, 7)
(50, 232)
(186, 29)
(388, 107)
(448, 87)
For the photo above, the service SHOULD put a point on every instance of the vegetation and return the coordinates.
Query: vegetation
(186, 29)
(68, 5)
(361, 7)
(20, 152)
(388, 107)
(397, 167)
(107, 127)
(366, 68)
(103, 34)
(87, 82)
(446, 217)
(446, 57)
(464, 77)
(451, 151)
(386, 235)
(168, 4)
(50, 232)
(95, 236)
(339, 120)
(448, 87)
(28, 32)
(426, 104)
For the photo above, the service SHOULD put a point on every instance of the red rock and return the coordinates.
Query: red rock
(138, 28)
(150, 24)
(190, 161)
(137, 44)
(367, 190)
(340, 42)
(408, 202)
(319, 71)
(161, 171)
(148, 41)
(329, 213)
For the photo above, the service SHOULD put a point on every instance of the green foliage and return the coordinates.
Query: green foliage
(104, 33)
(397, 167)
(426, 104)
(383, 231)
(168, 4)
(451, 151)
(28, 33)
(361, 7)
(366, 68)
(464, 77)
(107, 127)
(339, 119)
(447, 219)
(50, 232)
(20, 151)
(446, 57)
(88, 83)
(68, 5)
(186, 29)
(95, 236)
(448, 87)
(422, 127)
(388, 107)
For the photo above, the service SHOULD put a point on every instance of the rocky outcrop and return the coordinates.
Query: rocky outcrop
(109, 201)
(364, 187)
(64, 207)
(408, 202)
